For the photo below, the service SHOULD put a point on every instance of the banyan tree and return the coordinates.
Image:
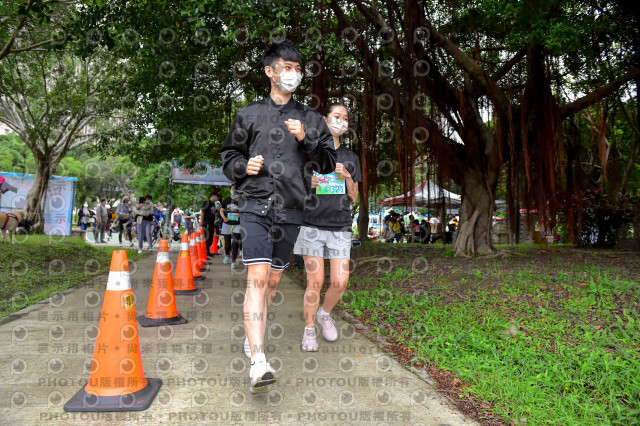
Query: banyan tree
(486, 87)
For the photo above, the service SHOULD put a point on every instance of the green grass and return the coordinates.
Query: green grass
(38, 266)
(575, 361)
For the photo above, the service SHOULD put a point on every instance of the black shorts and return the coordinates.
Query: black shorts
(267, 242)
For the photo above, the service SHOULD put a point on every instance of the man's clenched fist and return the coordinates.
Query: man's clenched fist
(296, 128)
(254, 165)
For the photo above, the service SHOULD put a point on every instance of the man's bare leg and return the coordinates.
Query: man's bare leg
(255, 321)
(255, 306)
(261, 374)
(274, 283)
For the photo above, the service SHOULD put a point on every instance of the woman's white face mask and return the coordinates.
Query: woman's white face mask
(337, 126)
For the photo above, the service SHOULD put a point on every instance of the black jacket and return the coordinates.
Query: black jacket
(259, 129)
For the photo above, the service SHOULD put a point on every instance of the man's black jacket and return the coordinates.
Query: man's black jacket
(283, 181)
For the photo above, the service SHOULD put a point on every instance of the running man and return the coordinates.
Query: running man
(271, 145)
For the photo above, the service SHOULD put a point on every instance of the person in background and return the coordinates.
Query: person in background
(176, 216)
(453, 224)
(158, 213)
(208, 213)
(102, 216)
(387, 234)
(144, 213)
(189, 218)
(158, 220)
(84, 216)
(403, 227)
(218, 220)
(387, 218)
(434, 221)
(418, 233)
(124, 213)
(425, 229)
(396, 228)
(230, 214)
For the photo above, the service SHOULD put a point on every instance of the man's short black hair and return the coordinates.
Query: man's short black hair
(215, 192)
(284, 49)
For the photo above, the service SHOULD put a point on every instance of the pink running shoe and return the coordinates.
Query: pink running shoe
(328, 327)
(309, 343)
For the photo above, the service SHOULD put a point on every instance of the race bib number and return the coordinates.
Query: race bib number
(332, 183)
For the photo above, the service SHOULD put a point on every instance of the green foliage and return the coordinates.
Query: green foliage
(14, 155)
(52, 265)
(30, 25)
(574, 360)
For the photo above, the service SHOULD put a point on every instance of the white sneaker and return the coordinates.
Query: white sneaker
(247, 347)
(309, 343)
(261, 376)
(233, 265)
(225, 260)
(139, 251)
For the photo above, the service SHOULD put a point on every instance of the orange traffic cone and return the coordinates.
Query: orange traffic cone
(205, 254)
(202, 250)
(184, 273)
(193, 253)
(116, 380)
(162, 309)
(214, 245)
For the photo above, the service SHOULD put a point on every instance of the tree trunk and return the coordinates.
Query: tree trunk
(474, 232)
(363, 216)
(33, 202)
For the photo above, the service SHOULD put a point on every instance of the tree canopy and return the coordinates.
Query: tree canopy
(535, 102)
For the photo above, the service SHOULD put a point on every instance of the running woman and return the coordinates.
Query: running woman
(326, 232)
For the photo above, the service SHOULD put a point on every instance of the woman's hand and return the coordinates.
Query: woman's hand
(342, 170)
(315, 181)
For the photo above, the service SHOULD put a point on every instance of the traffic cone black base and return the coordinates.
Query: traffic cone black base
(136, 401)
(157, 322)
(200, 278)
(187, 292)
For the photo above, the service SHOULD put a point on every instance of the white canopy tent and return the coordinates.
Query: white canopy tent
(425, 194)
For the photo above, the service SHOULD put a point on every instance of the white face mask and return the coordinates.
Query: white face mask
(86, 205)
(289, 81)
(337, 126)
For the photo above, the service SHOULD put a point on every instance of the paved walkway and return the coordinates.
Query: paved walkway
(203, 367)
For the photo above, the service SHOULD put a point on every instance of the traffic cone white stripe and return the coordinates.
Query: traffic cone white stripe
(119, 280)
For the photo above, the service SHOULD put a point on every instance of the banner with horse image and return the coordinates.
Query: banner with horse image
(57, 204)
(203, 173)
